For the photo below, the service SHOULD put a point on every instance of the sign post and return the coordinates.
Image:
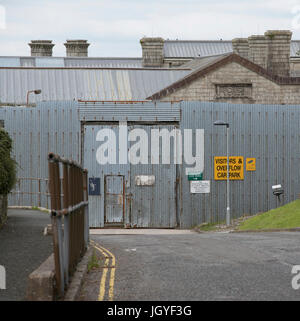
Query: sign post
(222, 123)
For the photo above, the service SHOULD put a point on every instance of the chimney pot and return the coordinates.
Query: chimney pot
(77, 48)
(41, 48)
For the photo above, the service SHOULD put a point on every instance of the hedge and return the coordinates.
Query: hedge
(7, 164)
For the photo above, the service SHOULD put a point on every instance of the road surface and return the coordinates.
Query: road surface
(192, 266)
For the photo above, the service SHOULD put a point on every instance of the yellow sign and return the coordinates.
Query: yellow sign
(236, 167)
(250, 164)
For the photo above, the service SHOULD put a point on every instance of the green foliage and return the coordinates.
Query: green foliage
(93, 262)
(7, 164)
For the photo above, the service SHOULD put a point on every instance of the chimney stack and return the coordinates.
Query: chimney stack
(271, 50)
(41, 48)
(153, 51)
(279, 51)
(77, 48)
(258, 50)
(241, 47)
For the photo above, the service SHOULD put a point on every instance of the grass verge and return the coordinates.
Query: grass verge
(287, 216)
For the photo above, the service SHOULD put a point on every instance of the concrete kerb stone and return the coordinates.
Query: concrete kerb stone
(41, 282)
(77, 278)
(295, 229)
(42, 209)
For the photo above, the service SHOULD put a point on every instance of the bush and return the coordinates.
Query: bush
(7, 164)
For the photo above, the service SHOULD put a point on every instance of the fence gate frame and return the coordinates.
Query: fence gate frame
(69, 216)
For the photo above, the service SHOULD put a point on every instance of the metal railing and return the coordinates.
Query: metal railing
(69, 216)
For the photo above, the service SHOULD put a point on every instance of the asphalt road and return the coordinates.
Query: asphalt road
(192, 266)
(23, 247)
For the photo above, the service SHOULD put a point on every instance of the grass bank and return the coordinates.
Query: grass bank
(287, 216)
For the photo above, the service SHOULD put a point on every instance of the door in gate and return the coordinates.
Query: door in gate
(114, 199)
(153, 188)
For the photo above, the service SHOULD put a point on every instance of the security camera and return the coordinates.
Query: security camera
(277, 190)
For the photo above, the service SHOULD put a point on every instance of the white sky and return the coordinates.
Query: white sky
(114, 27)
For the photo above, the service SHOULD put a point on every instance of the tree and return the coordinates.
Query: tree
(8, 166)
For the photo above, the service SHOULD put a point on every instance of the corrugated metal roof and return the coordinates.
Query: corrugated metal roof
(194, 48)
(104, 62)
(295, 47)
(199, 63)
(85, 84)
(202, 48)
(91, 62)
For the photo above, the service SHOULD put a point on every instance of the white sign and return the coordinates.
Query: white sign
(198, 187)
(2, 278)
(144, 180)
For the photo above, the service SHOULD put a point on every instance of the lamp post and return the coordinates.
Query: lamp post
(222, 123)
(36, 92)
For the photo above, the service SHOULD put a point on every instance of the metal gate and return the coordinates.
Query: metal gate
(114, 186)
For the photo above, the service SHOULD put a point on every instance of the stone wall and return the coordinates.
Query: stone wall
(243, 86)
(3, 209)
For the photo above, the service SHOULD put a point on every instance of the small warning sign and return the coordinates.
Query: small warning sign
(236, 167)
(250, 164)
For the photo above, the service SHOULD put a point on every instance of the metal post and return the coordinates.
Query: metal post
(39, 197)
(54, 186)
(66, 205)
(222, 123)
(228, 204)
(86, 209)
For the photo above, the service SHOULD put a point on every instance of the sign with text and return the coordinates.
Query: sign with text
(200, 187)
(250, 164)
(236, 167)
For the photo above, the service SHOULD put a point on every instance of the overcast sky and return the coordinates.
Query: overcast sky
(114, 27)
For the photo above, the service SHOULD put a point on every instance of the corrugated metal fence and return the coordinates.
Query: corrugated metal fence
(37, 131)
(269, 133)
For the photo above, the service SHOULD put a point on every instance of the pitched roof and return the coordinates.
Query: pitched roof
(220, 61)
(84, 83)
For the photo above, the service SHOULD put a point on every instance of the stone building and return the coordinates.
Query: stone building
(260, 69)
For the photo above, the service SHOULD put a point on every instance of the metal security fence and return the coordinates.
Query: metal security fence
(268, 133)
(37, 131)
(69, 216)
